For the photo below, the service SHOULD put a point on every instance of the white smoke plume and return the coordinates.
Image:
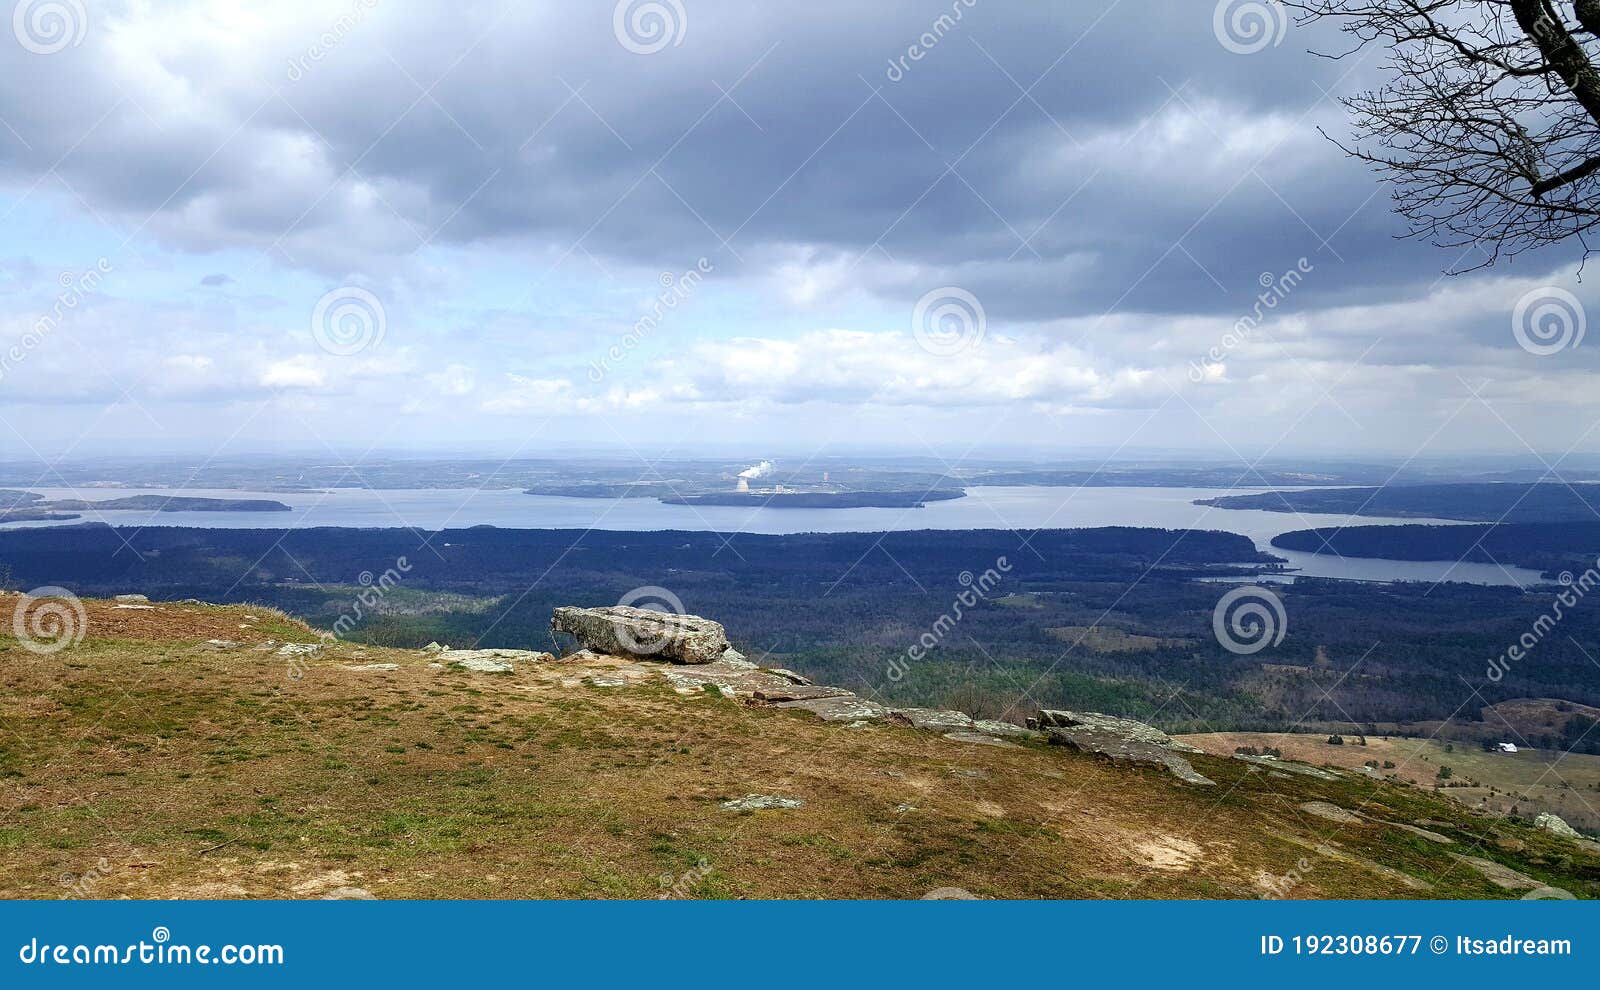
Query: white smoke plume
(757, 471)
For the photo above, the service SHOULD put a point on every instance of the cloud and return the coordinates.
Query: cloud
(510, 182)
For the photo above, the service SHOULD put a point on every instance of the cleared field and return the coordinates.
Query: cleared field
(1525, 782)
(1109, 639)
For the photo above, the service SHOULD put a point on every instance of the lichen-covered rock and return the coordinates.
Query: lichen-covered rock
(761, 802)
(483, 665)
(1126, 728)
(1121, 740)
(1003, 729)
(501, 656)
(639, 632)
(788, 675)
(1555, 825)
(844, 708)
(931, 719)
(981, 738)
(786, 691)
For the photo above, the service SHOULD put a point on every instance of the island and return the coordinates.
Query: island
(22, 506)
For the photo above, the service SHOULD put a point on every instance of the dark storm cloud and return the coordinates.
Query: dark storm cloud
(1058, 160)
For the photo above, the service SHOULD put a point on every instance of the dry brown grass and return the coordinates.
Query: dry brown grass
(142, 763)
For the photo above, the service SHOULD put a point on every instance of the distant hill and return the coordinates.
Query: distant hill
(1545, 547)
(20, 506)
(1512, 503)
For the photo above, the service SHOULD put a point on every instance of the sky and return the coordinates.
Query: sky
(938, 226)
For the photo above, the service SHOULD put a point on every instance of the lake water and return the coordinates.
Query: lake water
(1020, 508)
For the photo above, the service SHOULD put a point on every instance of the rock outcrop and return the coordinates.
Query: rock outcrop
(1556, 825)
(637, 632)
(1120, 740)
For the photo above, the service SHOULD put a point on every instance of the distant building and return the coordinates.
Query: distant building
(1506, 747)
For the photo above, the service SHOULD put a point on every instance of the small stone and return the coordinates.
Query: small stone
(372, 666)
(131, 598)
(761, 802)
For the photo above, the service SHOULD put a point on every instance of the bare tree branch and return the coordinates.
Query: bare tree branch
(1488, 127)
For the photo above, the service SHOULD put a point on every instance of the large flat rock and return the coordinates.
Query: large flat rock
(843, 708)
(640, 632)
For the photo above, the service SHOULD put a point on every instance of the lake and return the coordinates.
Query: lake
(1024, 509)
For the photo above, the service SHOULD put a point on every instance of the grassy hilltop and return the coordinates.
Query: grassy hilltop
(147, 762)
